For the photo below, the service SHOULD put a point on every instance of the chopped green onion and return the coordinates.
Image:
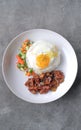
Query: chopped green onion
(20, 54)
(22, 66)
(22, 69)
(30, 70)
(23, 56)
(19, 66)
(27, 47)
(31, 42)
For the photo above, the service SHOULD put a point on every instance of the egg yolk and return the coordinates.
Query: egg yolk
(42, 60)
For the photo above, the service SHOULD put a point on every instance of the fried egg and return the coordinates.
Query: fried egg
(43, 56)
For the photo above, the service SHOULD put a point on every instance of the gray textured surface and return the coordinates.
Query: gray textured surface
(64, 17)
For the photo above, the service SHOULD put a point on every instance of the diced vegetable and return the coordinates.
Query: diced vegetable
(19, 65)
(21, 58)
(27, 40)
(22, 55)
(21, 61)
(27, 48)
(30, 70)
(19, 55)
(22, 69)
(28, 74)
(31, 42)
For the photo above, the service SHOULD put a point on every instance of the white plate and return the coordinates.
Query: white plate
(15, 79)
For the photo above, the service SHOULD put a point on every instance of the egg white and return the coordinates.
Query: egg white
(42, 47)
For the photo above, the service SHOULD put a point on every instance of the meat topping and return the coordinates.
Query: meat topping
(45, 82)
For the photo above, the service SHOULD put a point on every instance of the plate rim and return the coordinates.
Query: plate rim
(4, 54)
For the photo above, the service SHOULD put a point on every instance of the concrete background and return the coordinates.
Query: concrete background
(64, 17)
